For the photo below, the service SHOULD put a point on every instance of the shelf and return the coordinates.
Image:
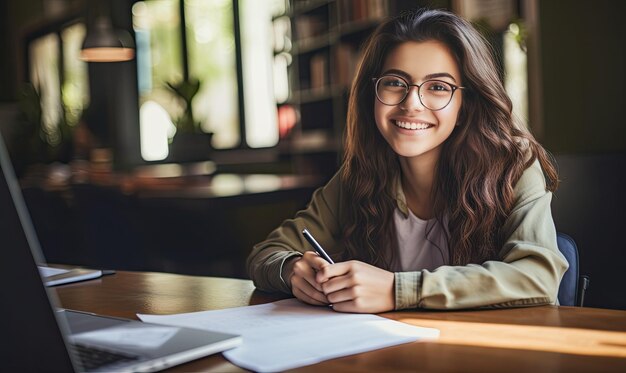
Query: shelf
(318, 141)
(312, 44)
(316, 95)
(327, 40)
(302, 7)
(355, 27)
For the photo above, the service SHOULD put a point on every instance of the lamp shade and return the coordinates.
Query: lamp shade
(103, 43)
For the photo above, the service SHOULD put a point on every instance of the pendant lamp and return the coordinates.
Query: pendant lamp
(104, 43)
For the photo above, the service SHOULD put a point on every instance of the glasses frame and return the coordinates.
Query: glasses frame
(408, 90)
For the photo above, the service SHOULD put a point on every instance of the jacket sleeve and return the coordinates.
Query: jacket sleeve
(320, 217)
(529, 272)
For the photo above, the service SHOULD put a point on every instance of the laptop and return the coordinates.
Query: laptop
(40, 337)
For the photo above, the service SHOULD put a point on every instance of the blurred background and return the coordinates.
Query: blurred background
(205, 123)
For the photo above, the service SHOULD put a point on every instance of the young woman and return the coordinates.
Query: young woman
(442, 202)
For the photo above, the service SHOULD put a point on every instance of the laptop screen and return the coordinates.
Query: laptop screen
(33, 341)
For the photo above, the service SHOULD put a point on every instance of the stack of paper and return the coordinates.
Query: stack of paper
(288, 334)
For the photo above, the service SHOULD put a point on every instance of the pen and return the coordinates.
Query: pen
(318, 248)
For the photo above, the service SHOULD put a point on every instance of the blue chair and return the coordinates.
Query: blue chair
(573, 285)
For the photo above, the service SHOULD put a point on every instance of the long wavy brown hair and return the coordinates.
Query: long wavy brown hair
(480, 162)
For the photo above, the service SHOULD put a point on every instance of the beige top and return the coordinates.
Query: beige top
(421, 244)
(528, 273)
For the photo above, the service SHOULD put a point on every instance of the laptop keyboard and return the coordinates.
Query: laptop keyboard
(94, 358)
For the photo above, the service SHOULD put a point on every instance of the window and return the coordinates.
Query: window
(177, 41)
(44, 70)
(209, 55)
(212, 60)
(157, 37)
(59, 77)
(516, 68)
(75, 85)
(259, 100)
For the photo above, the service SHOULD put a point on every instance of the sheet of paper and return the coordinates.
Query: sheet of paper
(57, 276)
(49, 271)
(122, 336)
(288, 334)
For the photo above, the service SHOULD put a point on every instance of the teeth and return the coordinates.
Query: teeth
(412, 126)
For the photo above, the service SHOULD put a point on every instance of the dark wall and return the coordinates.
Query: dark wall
(5, 86)
(583, 61)
(590, 206)
(583, 54)
(14, 16)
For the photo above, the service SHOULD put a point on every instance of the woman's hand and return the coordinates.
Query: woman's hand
(355, 286)
(301, 278)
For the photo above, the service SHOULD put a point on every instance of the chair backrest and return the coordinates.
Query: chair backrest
(571, 293)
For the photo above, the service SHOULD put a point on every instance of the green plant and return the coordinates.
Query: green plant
(32, 141)
(520, 32)
(186, 91)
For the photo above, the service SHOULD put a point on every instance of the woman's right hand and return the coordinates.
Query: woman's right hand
(300, 273)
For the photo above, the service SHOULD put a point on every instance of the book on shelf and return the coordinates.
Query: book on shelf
(359, 10)
(307, 27)
(345, 61)
(319, 68)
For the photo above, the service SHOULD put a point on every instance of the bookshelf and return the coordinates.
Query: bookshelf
(322, 40)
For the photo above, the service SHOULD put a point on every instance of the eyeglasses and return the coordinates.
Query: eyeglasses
(433, 94)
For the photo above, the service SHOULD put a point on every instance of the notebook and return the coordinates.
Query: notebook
(40, 337)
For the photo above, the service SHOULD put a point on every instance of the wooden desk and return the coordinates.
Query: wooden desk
(538, 339)
(166, 218)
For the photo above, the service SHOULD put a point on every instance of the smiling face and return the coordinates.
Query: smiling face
(412, 130)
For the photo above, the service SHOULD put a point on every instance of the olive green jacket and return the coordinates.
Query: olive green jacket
(528, 273)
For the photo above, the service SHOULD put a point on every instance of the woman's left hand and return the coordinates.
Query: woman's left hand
(354, 286)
